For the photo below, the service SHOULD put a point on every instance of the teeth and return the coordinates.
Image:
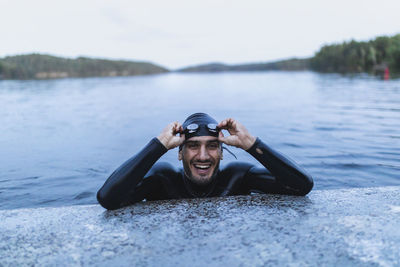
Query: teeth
(202, 166)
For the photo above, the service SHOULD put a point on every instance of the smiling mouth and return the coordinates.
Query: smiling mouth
(202, 166)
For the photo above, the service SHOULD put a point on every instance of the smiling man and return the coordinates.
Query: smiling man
(201, 158)
(200, 142)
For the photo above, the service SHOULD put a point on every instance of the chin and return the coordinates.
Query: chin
(202, 180)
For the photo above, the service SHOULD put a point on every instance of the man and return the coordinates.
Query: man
(200, 148)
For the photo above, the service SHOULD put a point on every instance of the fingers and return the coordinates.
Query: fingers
(229, 140)
(169, 136)
(239, 136)
(177, 128)
(225, 123)
(181, 140)
(177, 140)
(230, 125)
(174, 128)
(221, 137)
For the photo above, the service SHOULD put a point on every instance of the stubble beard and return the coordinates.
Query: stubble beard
(202, 181)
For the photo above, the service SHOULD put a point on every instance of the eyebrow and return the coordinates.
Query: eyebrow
(197, 142)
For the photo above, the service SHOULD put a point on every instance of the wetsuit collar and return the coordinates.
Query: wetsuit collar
(199, 191)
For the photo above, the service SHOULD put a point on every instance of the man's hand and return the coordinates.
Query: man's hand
(169, 136)
(239, 136)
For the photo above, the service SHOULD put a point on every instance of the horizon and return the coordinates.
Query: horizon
(178, 34)
(155, 63)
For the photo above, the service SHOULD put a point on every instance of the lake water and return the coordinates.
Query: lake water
(61, 139)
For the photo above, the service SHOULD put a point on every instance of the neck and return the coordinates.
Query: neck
(196, 190)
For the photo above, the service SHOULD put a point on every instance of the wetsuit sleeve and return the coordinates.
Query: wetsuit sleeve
(282, 176)
(123, 180)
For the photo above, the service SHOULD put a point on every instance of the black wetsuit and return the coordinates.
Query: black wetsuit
(138, 179)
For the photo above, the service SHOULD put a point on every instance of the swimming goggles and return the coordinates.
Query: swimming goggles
(194, 127)
(212, 128)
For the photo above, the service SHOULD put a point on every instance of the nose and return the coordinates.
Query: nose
(203, 153)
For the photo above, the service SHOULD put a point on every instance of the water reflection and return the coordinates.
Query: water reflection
(70, 134)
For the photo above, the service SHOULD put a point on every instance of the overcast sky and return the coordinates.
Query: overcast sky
(177, 33)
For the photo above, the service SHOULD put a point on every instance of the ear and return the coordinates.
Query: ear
(180, 155)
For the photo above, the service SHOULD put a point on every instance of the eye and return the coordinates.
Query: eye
(213, 145)
(192, 145)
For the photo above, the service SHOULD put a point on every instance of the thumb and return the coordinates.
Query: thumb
(221, 137)
(181, 139)
(177, 141)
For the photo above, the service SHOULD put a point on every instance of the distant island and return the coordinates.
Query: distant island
(287, 64)
(372, 57)
(38, 66)
(375, 57)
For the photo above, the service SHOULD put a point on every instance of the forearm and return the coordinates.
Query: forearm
(285, 171)
(117, 187)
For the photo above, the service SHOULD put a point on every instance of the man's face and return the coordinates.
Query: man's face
(201, 156)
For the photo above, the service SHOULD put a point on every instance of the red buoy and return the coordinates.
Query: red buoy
(386, 74)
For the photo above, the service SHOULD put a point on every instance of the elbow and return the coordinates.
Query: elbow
(101, 198)
(308, 186)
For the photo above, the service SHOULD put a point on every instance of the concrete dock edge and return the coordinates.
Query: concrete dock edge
(357, 227)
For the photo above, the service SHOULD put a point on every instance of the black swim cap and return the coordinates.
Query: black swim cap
(203, 122)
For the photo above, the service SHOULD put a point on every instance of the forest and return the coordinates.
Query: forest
(38, 66)
(352, 57)
(374, 57)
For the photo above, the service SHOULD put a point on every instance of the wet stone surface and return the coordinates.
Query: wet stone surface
(357, 227)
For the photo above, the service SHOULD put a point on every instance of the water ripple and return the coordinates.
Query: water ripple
(343, 131)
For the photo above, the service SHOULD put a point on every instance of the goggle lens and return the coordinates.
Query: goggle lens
(212, 127)
(194, 127)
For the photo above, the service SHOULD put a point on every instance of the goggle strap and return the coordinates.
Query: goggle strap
(224, 147)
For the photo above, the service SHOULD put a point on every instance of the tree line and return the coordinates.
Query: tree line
(36, 66)
(372, 56)
(351, 57)
(286, 65)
